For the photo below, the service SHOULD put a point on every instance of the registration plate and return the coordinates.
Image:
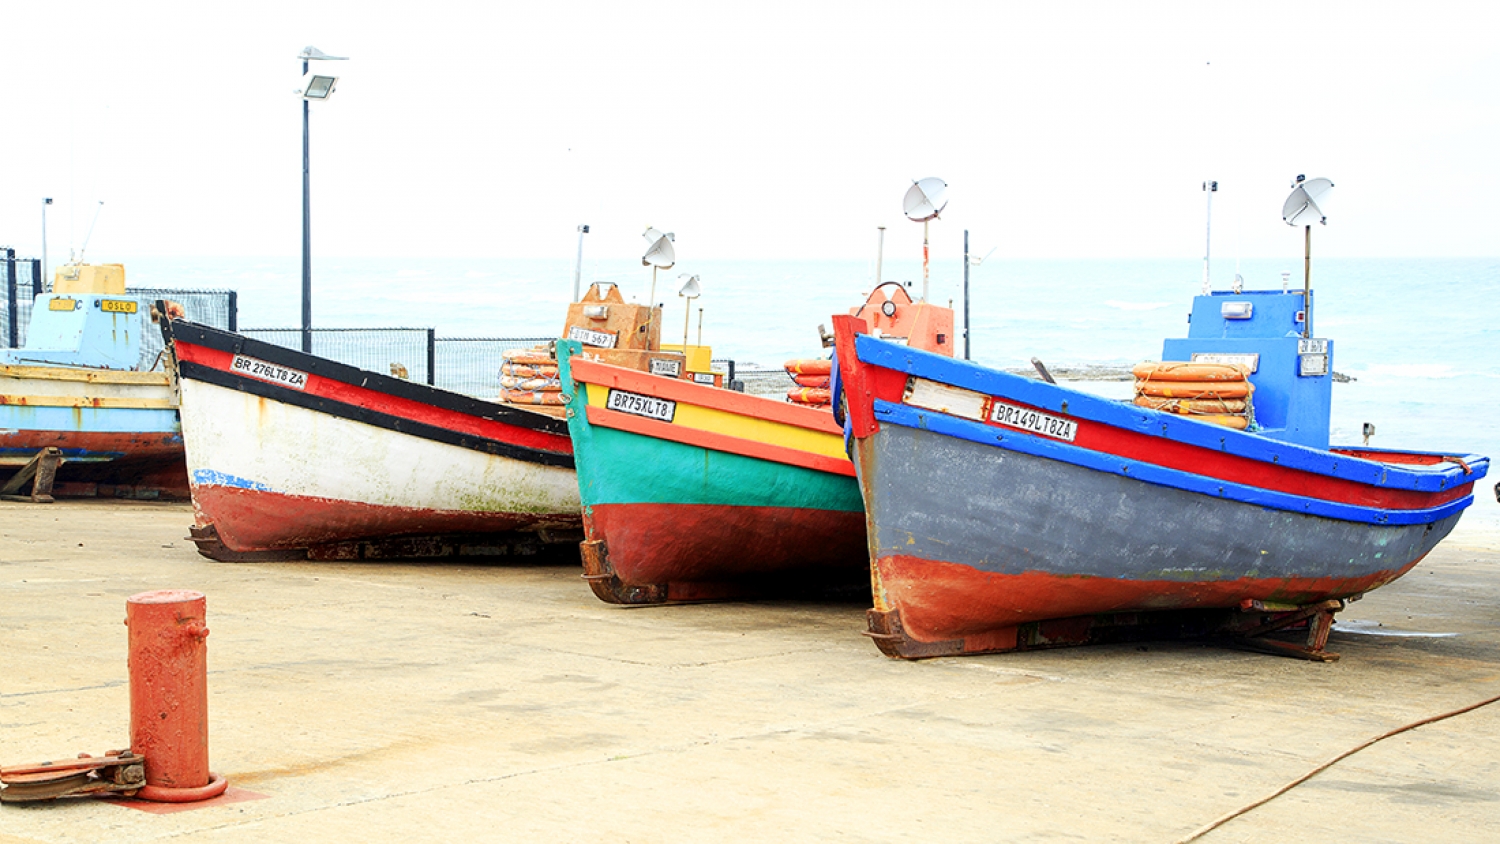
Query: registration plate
(703, 378)
(589, 337)
(117, 306)
(259, 369)
(638, 405)
(62, 305)
(667, 367)
(1034, 421)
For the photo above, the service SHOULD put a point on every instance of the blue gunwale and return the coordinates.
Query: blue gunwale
(1050, 397)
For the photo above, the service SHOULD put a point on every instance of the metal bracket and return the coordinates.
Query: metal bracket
(115, 771)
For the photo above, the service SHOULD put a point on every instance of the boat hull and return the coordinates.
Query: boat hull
(117, 431)
(997, 504)
(735, 496)
(1032, 539)
(356, 457)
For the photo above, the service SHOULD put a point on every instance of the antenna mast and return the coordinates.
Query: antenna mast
(1209, 188)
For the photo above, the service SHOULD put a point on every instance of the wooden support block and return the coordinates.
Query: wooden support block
(41, 470)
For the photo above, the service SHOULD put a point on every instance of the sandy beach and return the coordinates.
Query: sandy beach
(441, 702)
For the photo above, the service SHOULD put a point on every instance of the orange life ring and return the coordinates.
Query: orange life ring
(523, 397)
(529, 385)
(1194, 389)
(1239, 423)
(1185, 371)
(814, 366)
(810, 395)
(535, 356)
(819, 381)
(1193, 407)
(528, 370)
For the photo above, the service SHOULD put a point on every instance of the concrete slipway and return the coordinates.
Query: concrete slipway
(447, 702)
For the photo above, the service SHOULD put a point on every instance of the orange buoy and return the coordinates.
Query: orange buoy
(545, 385)
(1185, 371)
(813, 366)
(532, 397)
(1192, 407)
(528, 370)
(820, 381)
(810, 395)
(1239, 423)
(535, 356)
(1195, 389)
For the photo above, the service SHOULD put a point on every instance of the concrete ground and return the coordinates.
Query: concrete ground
(442, 702)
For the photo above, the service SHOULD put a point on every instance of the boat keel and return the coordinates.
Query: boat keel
(1251, 626)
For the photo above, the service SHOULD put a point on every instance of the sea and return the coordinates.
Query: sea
(1418, 338)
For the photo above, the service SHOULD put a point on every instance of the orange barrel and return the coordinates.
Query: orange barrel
(168, 661)
(1201, 390)
(815, 366)
(809, 395)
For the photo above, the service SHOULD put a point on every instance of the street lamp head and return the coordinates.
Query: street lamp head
(313, 54)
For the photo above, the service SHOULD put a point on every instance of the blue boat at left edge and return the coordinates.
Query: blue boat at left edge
(77, 386)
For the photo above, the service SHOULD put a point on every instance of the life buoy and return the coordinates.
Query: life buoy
(528, 370)
(535, 356)
(812, 366)
(819, 381)
(1184, 371)
(1195, 389)
(1239, 423)
(1193, 407)
(531, 385)
(810, 395)
(523, 397)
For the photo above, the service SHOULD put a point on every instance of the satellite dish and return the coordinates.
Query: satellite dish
(925, 199)
(660, 253)
(689, 286)
(1305, 206)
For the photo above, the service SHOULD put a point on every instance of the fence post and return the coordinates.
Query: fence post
(10, 292)
(36, 278)
(234, 311)
(432, 357)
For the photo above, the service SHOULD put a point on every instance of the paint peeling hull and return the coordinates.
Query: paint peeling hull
(118, 431)
(358, 457)
(713, 504)
(982, 534)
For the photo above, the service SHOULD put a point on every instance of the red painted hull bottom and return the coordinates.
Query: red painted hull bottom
(975, 611)
(683, 552)
(138, 464)
(254, 520)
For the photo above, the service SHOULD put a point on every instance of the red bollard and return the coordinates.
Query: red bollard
(169, 695)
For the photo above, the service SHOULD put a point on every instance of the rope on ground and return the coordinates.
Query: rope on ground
(1213, 825)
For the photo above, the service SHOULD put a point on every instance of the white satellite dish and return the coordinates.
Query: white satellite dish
(660, 253)
(925, 199)
(1305, 206)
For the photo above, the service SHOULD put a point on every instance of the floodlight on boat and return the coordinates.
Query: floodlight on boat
(689, 287)
(925, 199)
(1305, 206)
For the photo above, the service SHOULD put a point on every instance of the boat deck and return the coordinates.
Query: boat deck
(445, 702)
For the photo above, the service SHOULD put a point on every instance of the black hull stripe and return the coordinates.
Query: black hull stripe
(319, 404)
(226, 341)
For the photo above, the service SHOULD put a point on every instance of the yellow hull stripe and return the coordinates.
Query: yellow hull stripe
(743, 427)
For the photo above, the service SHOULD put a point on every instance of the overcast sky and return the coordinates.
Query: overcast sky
(752, 130)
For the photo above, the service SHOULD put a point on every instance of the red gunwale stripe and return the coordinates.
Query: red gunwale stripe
(1108, 439)
(715, 398)
(718, 442)
(416, 411)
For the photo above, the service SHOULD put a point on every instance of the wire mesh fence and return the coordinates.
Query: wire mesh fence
(23, 283)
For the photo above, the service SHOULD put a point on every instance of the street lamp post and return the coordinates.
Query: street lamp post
(315, 86)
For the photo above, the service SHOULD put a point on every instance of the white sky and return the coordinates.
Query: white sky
(752, 130)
